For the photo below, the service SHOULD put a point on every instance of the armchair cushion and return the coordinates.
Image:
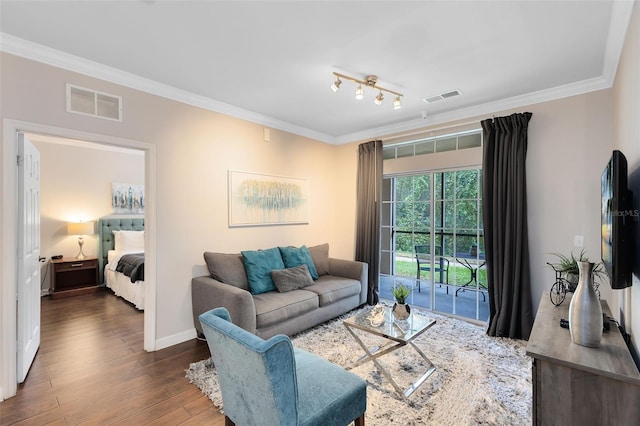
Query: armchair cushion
(259, 265)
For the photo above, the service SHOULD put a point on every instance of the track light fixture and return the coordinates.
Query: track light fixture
(379, 99)
(397, 104)
(336, 84)
(369, 81)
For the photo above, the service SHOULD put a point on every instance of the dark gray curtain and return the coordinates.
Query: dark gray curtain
(368, 186)
(504, 203)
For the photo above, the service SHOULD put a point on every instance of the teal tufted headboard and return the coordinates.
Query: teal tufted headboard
(106, 226)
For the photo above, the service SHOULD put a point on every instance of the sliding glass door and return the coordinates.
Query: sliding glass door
(432, 240)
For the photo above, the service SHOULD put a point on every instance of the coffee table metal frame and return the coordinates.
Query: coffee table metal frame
(399, 334)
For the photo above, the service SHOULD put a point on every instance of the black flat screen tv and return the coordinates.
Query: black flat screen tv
(617, 222)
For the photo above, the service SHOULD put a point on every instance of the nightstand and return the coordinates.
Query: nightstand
(72, 277)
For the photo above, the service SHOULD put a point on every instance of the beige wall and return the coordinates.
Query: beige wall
(626, 138)
(569, 143)
(76, 185)
(194, 150)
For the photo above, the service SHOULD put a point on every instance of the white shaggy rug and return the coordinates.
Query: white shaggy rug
(478, 379)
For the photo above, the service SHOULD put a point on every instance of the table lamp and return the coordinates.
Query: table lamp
(81, 229)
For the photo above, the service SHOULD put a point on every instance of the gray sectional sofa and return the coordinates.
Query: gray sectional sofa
(340, 286)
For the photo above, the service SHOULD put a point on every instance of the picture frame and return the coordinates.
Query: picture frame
(257, 199)
(127, 198)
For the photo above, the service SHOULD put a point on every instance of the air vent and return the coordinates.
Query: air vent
(81, 100)
(442, 96)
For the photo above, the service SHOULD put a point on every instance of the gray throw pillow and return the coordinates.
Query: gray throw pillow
(291, 278)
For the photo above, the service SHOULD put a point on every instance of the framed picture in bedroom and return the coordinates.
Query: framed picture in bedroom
(127, 198)
(258, 199)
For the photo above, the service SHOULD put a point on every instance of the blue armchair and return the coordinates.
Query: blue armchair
(268, 382)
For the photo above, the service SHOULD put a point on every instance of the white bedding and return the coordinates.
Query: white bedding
(120, 283)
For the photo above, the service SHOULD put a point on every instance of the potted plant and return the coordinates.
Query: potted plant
(400, 309)
(568, 267)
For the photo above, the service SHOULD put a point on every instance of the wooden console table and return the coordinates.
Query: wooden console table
(576, 385)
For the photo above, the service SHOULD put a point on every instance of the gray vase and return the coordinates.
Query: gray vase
(585, 311)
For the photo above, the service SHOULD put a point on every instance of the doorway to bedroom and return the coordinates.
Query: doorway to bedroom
(73, 178)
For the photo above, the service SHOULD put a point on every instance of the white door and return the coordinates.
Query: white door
(28, 255)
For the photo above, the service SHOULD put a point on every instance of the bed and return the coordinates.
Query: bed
(121, 257)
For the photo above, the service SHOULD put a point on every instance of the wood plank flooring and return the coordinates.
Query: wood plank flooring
(91, 369)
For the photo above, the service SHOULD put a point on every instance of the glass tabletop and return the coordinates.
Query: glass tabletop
(400, 331)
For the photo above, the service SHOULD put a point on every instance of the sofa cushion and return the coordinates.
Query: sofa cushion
(227, 268)
(320, 256)
(330, 289)
(292, 256)
(259, 264)
(291, 278)
(273, 307)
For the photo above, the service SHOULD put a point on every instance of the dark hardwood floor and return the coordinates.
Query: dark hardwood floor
(91, 369)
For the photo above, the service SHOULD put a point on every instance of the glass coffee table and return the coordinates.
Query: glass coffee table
(398, 334)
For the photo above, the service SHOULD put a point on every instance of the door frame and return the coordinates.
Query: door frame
(9, 235)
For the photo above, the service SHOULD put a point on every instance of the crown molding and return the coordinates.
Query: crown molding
(620, 18)
(39, 53)
(572, 89)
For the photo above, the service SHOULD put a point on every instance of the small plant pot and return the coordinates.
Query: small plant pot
(401, 311)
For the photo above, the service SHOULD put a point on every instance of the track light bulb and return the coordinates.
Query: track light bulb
(336, 84)
(378, 100)
(359, 92)
(397, 104)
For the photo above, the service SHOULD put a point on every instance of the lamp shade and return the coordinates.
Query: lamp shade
(80, 228)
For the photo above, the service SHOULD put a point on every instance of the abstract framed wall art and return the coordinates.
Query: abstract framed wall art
(258, 199)
(127, 198)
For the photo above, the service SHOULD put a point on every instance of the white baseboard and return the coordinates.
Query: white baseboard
(175, 339)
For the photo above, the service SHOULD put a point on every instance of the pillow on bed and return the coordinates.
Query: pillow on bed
(128, 240)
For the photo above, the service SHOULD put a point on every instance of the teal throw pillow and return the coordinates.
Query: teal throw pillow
(293, 257)
(259, 265)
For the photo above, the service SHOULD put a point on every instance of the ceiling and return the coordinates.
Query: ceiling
(271, 62)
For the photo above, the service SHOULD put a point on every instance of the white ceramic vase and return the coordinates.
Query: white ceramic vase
(585, 311)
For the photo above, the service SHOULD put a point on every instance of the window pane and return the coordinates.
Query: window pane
(404, 217)
(385, 235)
(467, 215)
(467, 184)
(388, 153)
(449, 185)
(470, 141)
(464, 243)
(448, 144)
(404, 188)
(404, 243)
(404, 151)
(385, 215)
(421, 212)
(387, 189)
(448, 207)
(424, 147)
(421, 188)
